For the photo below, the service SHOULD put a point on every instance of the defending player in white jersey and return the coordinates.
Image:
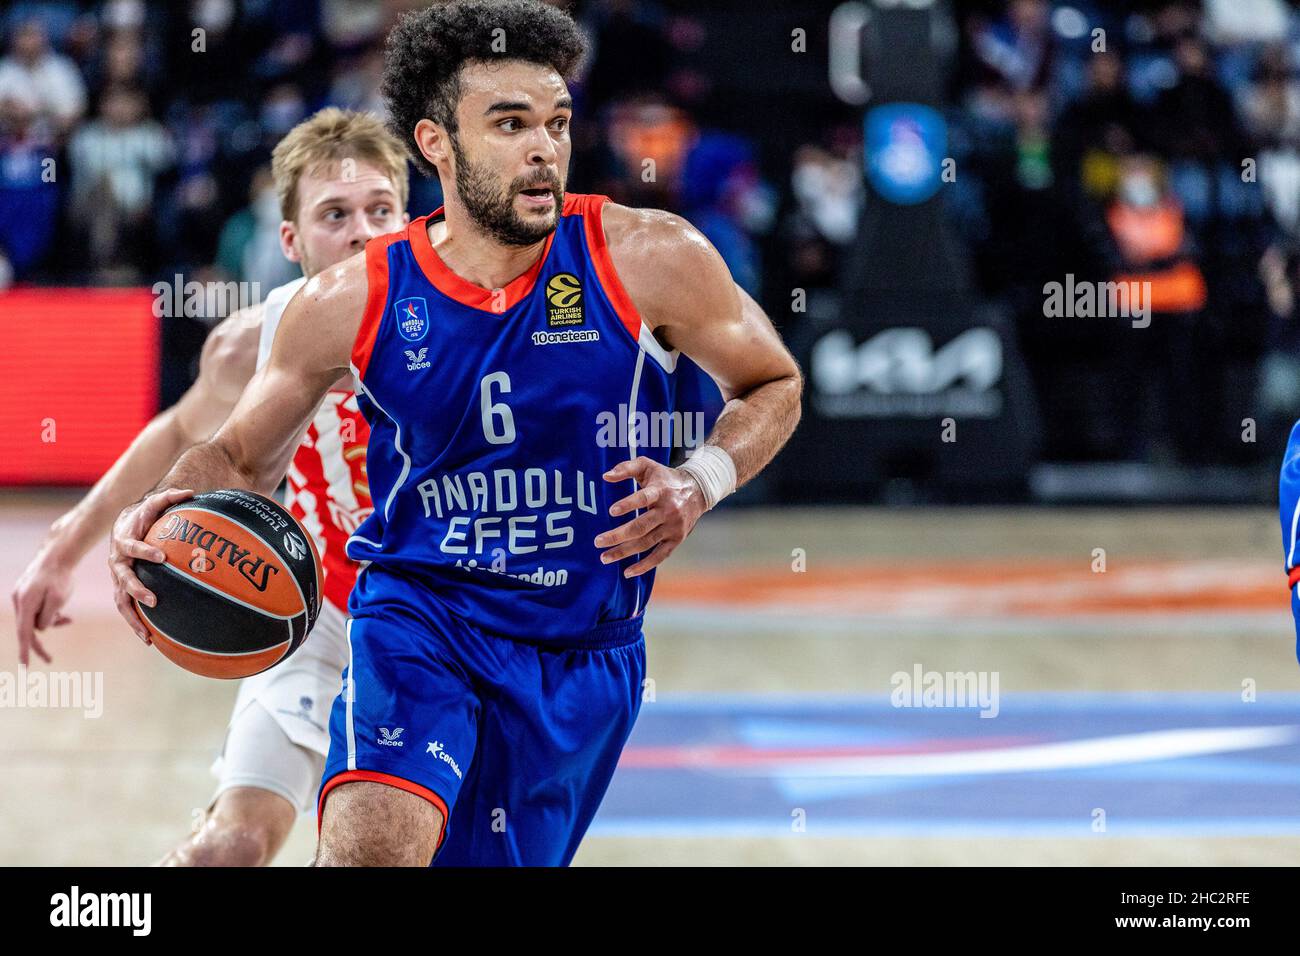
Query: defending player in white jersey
(342, 179)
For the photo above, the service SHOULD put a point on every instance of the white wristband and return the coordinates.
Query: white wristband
(714, 471)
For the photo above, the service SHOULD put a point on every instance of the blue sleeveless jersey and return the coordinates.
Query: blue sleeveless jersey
(1288, 493)
(494, 415)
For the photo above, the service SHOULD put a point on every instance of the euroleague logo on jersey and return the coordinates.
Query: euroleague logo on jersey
(412, 318)
(563, 301)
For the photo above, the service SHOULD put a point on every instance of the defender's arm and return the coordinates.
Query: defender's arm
(252, 450)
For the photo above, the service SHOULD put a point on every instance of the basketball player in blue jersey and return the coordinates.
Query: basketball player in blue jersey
(496, 655)
(1288, 493)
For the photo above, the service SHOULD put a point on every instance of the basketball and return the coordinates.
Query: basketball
(241, 586)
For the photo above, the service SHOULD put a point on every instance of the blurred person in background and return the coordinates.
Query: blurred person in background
(258, 257)
(283, 108)
(1270, 105)
(826, 193)
(1270, 110)
(721, 191)
(122, 63)
(649, 140)
(1093, 132)
(219, 147)
(1031, 239)
(1027, 222)
(1163, 363)
(1279, 378)
(630, 52)
(223, 70)
(114, 162)
(237, 233)
(351, 25)
(1194, 119)
(355, 84)
(36, 72)
(1199, 133)
(29, 187)
(1016, 49)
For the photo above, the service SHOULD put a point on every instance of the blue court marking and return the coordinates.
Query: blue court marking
(759, 702)
(864, 827)
(1157, 764)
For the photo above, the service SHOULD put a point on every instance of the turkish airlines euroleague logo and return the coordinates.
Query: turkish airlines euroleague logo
(253, 568)
(563, 300)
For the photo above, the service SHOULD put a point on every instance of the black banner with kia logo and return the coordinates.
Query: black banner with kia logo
(924, 401)
(915, 385)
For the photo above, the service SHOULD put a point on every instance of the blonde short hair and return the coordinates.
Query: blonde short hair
(330, 136)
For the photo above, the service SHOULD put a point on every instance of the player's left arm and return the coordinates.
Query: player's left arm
(685, 294)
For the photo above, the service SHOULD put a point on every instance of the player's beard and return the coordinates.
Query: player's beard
(492, 208)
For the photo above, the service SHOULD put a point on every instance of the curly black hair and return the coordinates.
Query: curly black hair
(426, 50)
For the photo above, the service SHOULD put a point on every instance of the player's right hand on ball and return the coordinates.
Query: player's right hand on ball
(127, 545)
(39, 596)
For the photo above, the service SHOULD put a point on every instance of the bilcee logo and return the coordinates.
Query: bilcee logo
(412, 318)
(133, 910)
(563, 301)
(435, 748)
(295, 546)
(388, 737)
(417, 360)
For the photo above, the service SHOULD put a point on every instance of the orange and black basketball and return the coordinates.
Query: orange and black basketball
(241, 586)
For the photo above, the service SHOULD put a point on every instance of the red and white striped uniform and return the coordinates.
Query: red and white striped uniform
(327, 492)
(326, 485)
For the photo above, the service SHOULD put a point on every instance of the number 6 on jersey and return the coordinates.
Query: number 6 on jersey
(492, 411)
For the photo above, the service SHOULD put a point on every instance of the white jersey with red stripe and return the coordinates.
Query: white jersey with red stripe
(327, 489)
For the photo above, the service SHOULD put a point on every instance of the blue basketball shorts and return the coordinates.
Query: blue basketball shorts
(1295, 614)
(514, 743)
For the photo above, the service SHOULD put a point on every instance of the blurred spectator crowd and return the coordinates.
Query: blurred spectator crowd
(135, 138)
(1150, 140)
